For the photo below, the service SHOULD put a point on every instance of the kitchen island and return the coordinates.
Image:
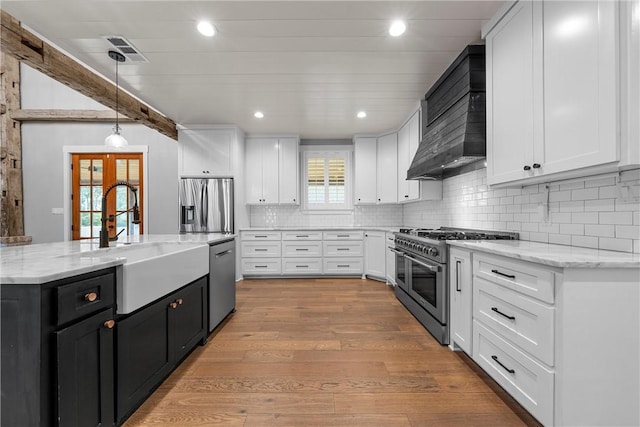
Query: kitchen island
(558, 327)
(89, 332)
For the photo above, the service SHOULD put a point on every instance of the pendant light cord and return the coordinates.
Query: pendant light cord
(117, 87)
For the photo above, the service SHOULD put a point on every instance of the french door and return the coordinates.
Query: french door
(92, 174)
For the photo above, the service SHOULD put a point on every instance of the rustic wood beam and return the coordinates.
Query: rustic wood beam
(30, 49)
(11, 195)
(96, 116)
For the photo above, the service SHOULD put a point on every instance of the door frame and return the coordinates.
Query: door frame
(68, 150)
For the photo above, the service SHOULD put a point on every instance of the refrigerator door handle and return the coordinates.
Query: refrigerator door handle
(204, 200)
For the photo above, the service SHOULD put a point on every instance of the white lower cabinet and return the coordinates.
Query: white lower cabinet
(375, 249)
(460, 295)
(390, 259)
(302, 253)
(562, 341)
(528, 381)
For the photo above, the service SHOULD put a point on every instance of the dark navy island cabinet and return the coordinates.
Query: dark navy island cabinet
(58, 352)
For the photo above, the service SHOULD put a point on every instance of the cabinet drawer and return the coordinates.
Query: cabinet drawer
(342, 266)
(260, 235)
(524, 379)
(343, 235)
(85, 297)
(301, 266)
(524, 321)
(342, 248)
(266, 266)
(301, 235)
(521, 276)
(302, 249)
(260, 249)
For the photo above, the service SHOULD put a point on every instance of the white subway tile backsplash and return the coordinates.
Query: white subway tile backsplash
(623, 245)
(573, 229)
(581, 213)
(600, 230)
(628, 231)
(585, 194)
(616, 218)
(584, 217)
(601, 205)
(584, 241)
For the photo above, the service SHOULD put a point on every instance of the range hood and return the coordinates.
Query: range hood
(453, 118)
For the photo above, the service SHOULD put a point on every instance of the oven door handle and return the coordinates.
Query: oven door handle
(394, 250)
(433, 268)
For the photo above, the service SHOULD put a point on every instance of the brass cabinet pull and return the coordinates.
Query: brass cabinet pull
(109, 324)
(91, 296)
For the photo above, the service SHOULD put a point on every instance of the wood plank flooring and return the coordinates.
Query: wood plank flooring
(323, 352)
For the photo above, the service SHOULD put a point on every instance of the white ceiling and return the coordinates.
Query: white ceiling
(310, 66)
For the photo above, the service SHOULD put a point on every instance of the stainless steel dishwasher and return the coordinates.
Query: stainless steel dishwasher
(222, 281)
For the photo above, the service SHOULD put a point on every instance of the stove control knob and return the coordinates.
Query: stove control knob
(433, 252)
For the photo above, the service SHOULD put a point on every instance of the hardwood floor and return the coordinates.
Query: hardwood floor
(323, 352)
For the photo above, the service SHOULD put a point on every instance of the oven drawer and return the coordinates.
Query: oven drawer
(301, 249)
(342, 248)
(301, 266)
(343, 235)
(523, 378)
(260, 249)
(260, 235)
(302, 235)
(527, 278)
(342, 266)
(524, 321)
(261, 266)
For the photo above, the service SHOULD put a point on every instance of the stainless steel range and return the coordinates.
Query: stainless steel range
(421, 272)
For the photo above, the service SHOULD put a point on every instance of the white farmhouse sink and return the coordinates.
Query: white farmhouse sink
(153, 270)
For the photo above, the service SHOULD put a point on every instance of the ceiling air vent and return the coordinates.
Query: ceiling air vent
(126, 48)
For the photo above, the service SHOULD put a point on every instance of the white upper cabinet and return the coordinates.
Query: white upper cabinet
(365, 153)
(206, 151)
(387, 169)
(288, 171)
(408, 140)
(552, 90)
(272, 170)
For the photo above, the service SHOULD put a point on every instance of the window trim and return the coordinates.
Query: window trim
(325, 151)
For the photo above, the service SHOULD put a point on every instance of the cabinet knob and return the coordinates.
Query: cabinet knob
(527, 168)
(179, 301)
(379, 200)
(406, 196)
(91, 296)
(109, 324)
(173, 305)
(536, 165)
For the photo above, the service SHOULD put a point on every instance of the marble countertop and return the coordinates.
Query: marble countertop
(552, 255)
(323, 228)
(45, 262)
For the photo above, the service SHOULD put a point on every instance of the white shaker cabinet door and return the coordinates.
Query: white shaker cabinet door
(580, 85)
(510, 95)
(365, 170)
(288, 171)
(387, 169)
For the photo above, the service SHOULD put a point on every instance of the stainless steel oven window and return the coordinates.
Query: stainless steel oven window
(428, 286)
(401, 270)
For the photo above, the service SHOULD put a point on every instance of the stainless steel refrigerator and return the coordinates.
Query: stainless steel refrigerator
(206, 205)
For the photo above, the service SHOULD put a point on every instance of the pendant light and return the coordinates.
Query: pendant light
(115, 140)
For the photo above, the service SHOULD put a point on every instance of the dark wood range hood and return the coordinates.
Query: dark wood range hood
(453, 118)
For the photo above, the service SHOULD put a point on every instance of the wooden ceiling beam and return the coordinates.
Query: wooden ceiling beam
(37, 115)
(30, 49)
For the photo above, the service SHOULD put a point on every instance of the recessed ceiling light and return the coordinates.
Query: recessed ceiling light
(397, 28)
(362, 114)
(206, 29)
(258, 114)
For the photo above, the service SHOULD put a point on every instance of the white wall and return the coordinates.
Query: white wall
(42, 157)
(588, 212)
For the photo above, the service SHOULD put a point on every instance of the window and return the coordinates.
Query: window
(326, 180)
(92, 174)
